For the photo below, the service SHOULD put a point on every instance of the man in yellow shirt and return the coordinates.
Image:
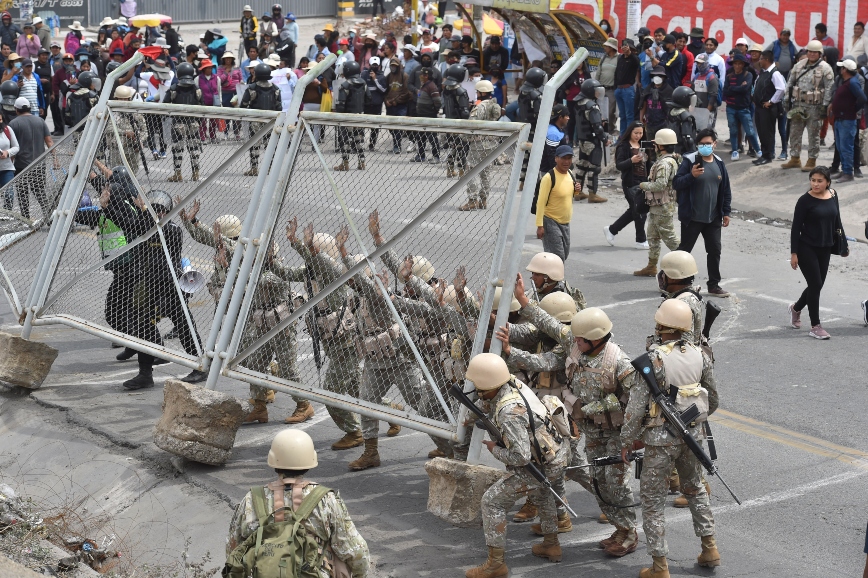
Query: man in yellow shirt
(554, 208)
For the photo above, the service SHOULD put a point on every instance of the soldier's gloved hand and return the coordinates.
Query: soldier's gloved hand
(150, 98)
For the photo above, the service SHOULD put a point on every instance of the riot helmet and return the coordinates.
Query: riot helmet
(592, 89)
(186, 74)
(352, 69)
(161, 201)
(684, 97)
(85, 79)
(457, 72)
(9, 91)
(535, 77)
(262, 72)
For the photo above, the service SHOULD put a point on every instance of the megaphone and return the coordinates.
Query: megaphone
(191, 280)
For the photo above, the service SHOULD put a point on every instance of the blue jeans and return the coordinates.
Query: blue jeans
(9, 195)
(741, 116)
(397, 110)
(626, 99)
(512, 110)
(845, 133)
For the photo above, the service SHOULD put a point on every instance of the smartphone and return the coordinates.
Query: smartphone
(646, 144)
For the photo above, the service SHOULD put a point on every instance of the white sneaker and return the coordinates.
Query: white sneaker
(642, 246)
(735, 155)
(610, 238)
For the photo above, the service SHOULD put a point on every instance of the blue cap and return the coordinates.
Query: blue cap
(564, 151)
(290, 16)
(739, 57)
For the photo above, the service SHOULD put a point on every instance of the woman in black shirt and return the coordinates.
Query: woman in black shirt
(816, 224)
(634, 164)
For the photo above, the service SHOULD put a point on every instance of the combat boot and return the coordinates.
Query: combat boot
(659, 568)
(350, 440)
(370, 458)
(303, 412)
(344, 166)
(461, 173)
(259, 413)
(602, 519)
(269, 397)
(650, 270)
(564, 525)
(143, 379)
(470, 206)
(580, 196)
(251, 172)
(624, 544)
(494, 567)
(195, 176)
(549, 548)
(176, 178)
(674, 484)
(361, 165)
(394, 429)
(710, 556)
(618, 534)
(450, 172)
(595, 198)
(809, 165)
(793, 163)
(440, 453)
(527, 513)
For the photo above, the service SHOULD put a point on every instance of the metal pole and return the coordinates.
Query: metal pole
(301, 85)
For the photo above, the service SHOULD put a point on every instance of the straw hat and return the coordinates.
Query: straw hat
(76, 25)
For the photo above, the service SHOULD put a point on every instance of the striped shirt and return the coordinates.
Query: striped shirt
(28, 91)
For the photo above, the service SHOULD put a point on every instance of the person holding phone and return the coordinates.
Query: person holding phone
(633, 160)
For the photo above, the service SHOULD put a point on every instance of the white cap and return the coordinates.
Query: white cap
(741, 41)
(38, 20)
(848, 64)
(374, 60)
(253, 63)
(161, 42)
(409, 47)
(21, 103)
(247, 8)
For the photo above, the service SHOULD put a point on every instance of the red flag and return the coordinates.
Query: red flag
(151, 51)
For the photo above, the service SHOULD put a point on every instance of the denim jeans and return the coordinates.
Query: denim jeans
(626, 99)
(741, 116)
(9, 196)
(512, 110)
(845, 132)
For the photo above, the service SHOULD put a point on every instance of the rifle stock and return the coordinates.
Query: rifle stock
(712, 310)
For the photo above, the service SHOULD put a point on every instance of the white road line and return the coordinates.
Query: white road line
(780, 300)
(733, 280)
(628, 302)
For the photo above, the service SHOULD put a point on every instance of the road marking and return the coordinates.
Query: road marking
(628, 302)
(733, 280)
(780, 300)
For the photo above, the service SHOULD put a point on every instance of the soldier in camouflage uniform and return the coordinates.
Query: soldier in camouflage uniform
(480, 146)
(600, 377)
(809, 93)
(661, 216)
(677, 363)
(511, 407)
(222, 236)
(292, 455)
(129, 128)
(547, 273)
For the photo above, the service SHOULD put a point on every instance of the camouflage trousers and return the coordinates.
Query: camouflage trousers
(503, 494)
(457, 155)
(661, 226)
(343, 376)
(258, 147)
(185, 136)
(283, 348)
(613, 481)
(588, 166)
(654, 486)
(798, 124)
(351, 141)
(479, 188)
(378, 378)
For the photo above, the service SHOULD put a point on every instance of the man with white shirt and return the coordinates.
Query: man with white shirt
(768, 92)
(856, 45)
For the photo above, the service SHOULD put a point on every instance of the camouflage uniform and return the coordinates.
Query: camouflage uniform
(329, 522)
(811, 95)
(508, 412)
(602, 430)
(691, 297)
(479, 148)
(110, 154)
(661, 218)
(204, 235)
(662, 449)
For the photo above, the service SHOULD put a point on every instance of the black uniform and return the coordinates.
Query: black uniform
(260, 95)
(352, 97)
(185, 129)
(682, 122)
(456, 104)
(529, 98)
(377, 87)
(591, 140)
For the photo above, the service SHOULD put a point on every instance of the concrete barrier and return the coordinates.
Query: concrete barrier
(456, 488)
(23, 362)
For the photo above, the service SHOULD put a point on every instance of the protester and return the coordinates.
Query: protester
(73, 37)
(28, 44)
(625, 83)
(706, 87)
(697, 45)
(654, 108)
(737, 93)
(605, 74)
(634, 162)
(495, 55)
(816, 231)
(848, 102)
(768, 93)
(34, 138)
(8, 149)
(820, 34)
(554, 208)
(681, 40)
(9, 32)
(396, 99)
(30, 87)
(42, 32)
(672, 61)
(428, 104)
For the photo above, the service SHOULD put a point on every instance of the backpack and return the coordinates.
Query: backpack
(551, 175)
(281, 548)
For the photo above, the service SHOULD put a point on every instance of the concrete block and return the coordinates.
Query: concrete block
(199, 424)
(23, 362)
(456, 488)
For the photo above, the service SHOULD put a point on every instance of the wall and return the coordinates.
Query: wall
(210, 10)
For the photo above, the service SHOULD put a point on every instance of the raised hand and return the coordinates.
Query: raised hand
(406, 270)
(519, 286)
(194, 209)
(308, 238)
(460, 282)
(342, 236)
(374, 223)
(220, 257)
(502, 335)
(440, 292)
(218, 234)
(183, 212)
(291, 228)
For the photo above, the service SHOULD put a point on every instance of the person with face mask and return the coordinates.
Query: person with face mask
(606, 27)
(706, 86)
(377, 87)
(654, 103)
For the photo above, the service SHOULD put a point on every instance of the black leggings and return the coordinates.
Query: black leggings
(814, 264)
(631, 215)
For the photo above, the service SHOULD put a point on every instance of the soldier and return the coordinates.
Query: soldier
(80, 101)
(129, 127)
(677, 363)
(353, 96)
(592, 138)
(480, 146)
(185, 129)
(222, 236)
(681, 121)
(261, 94)
(327, 521)
(522, 420)
(456, 104)
(600, 377)
(547, 274)
(809, 93)
(660, 195)
(9, 91)
(529, 97)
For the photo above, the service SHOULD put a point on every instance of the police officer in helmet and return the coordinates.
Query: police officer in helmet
(592, 137)
(529, 98)
(185, 129)
(681, 121)
(456, 104)
(261, 94)
(81, 100)
(352, 97)
(9, 92)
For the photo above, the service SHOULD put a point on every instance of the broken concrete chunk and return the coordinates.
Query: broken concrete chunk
(456, 488)
(23, 362)
(198, 424)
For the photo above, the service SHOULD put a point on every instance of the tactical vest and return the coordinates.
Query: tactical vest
(183, 95)
(456, 103)
(603, 400)
(79, 106)
(263, 98)
(682, 364)
(354, 96)
(545, 440)
(677, 123)
(528, 105)
(584, 129)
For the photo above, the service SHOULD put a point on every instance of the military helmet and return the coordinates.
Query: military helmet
(325, 243)
(85, 79)
(814, 46)
(9, 91)
(514, 305)
(591, 324)
(124, 92)
(559, 305)
(356, 259)
(678, 265)
(262, 72)
(547, 264)
(535, 77)
(666, 136)
(451, 296)
(484, 86)
(161, 201)
(423, 268)
(457, 72)
(682, 96)
(292, 449)
(230, 225)
(352, 69)
(675, 314)
(589, 88)
(487, 371)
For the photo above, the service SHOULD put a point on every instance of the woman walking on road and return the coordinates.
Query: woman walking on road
(813, 239)
(634, 164)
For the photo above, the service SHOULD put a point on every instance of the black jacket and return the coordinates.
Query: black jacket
(683, 185)
(623, 154)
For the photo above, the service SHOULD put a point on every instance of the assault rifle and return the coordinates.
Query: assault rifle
(611, 461)
(482, 422)
(712, 310)
(676, 419)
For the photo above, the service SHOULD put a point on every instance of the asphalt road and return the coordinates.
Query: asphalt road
(791, 436)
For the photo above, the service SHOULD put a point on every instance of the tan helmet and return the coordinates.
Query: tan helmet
(422, 268)
(325, 243)
(514, 305)
(591, 323)
(124, 92)
(484, 86)
(559, 305)
(678, 265)
(547, 264)
(487, 371)
(451, 297)
(814, 46)
(358, 259)
(676, 314)
(230, 225)
(666, 136)
(292, 449)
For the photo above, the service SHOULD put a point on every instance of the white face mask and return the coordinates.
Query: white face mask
(477, 78)
(657, 80)
(605, 27)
